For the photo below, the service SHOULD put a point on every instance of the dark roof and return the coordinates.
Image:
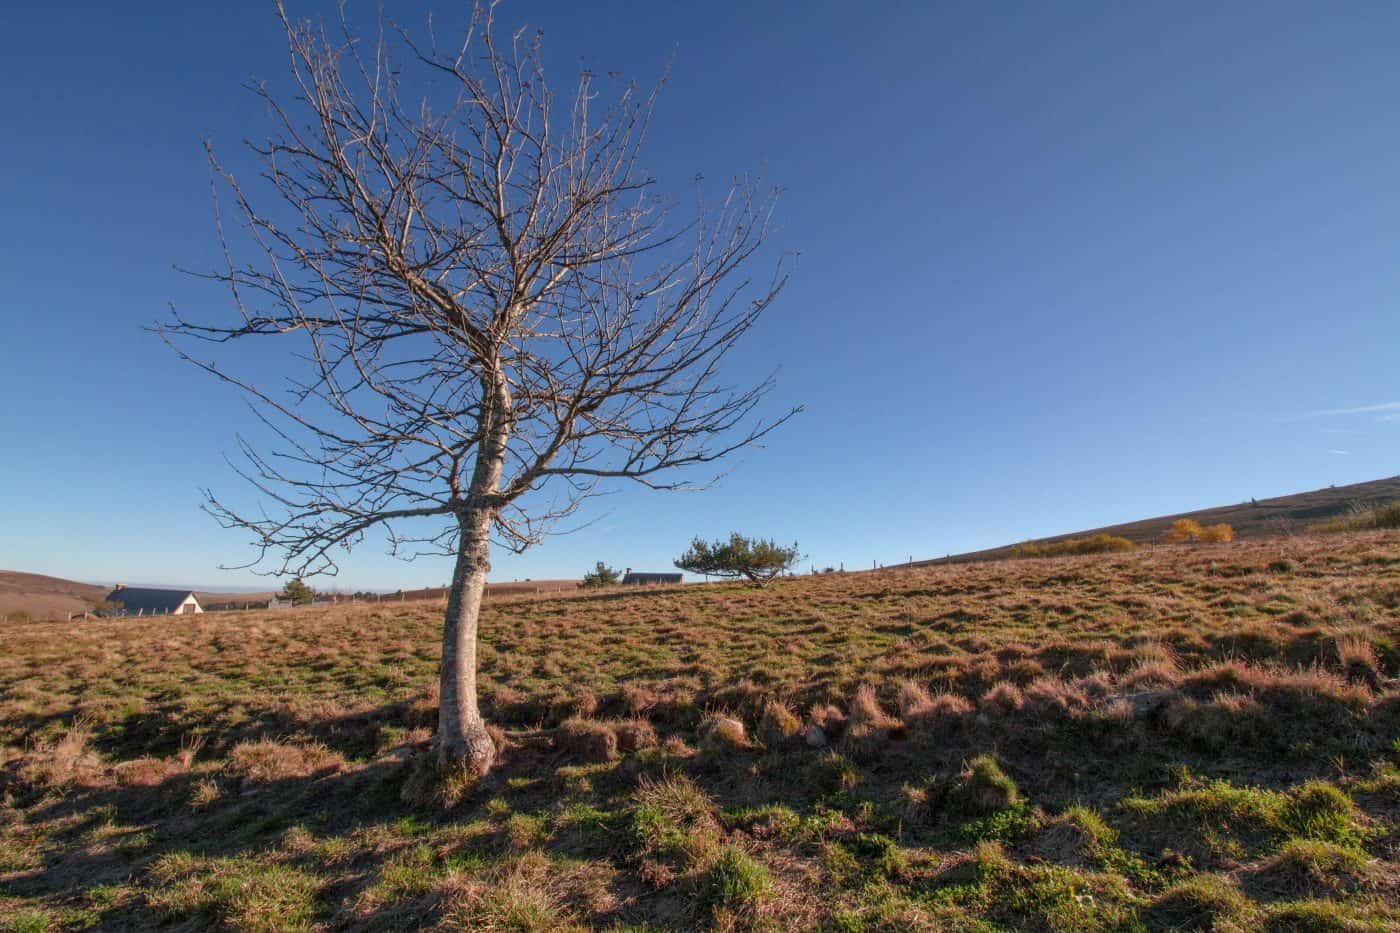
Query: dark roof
(637, 578)
(136, 599)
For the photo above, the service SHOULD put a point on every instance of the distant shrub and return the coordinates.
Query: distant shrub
(296, 591)
(1217, 534)
(1095, 544)
(1183, 530)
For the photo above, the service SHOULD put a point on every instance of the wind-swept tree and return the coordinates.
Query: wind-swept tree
(757, 560)
(488, 300)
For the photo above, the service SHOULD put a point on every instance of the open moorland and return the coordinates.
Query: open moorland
(39, 596)
(1183, 738)
(1257, 518)
(28, 596)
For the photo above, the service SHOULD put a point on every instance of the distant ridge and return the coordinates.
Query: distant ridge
(45, 597)
(1259, 518)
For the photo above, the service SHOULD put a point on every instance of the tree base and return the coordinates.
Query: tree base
(441, 781)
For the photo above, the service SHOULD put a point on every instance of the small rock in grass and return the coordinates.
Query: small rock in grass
(722, 733)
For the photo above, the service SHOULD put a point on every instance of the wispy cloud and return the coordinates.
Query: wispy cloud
(1340, 453)
(1358, 410)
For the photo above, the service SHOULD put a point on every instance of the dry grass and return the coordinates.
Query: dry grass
(268, 760)
(1176, 736)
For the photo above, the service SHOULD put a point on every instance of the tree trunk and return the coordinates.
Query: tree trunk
(462, 738)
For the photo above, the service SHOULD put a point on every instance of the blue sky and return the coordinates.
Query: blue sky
(1060, 265)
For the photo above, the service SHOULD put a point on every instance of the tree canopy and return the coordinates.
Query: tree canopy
(601, 575)
(757, 560)
(298, 592)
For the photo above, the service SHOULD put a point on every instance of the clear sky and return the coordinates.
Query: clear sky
(1060, 265)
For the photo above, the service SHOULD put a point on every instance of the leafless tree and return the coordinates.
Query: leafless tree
(491, 302)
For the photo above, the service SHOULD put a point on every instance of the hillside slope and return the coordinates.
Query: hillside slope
(45, 597)
(1282, 515)
(1176, 738)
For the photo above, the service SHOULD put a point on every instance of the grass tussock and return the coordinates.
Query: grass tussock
(271, 760)
(431, 783)
(63, 761)
(779, 726)
(983, 787)
(587, 740)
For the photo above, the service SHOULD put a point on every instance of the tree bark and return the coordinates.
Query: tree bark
(462, 738)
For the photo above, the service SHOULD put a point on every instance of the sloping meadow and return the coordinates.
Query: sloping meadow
(1175, 738)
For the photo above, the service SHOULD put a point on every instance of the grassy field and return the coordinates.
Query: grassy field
(1182, 738)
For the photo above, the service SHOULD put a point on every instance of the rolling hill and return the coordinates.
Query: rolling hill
(1257, 518)
(45, 597)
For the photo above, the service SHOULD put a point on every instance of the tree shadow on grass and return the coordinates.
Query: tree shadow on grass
(231, 832)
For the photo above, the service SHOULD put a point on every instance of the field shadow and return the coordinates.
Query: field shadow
(114, 835)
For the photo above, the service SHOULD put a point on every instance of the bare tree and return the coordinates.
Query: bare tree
(489, 296)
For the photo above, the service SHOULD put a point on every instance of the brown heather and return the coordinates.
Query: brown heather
(1160, 738)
